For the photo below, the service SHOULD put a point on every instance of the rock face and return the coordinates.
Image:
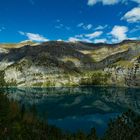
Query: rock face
(70, 64)
(125, 76)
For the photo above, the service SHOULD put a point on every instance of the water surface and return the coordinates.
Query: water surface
(81, 108)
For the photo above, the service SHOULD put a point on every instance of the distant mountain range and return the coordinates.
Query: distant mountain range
(58, 63)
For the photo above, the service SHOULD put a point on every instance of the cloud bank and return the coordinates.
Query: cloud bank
(132, 15)
(34, 37)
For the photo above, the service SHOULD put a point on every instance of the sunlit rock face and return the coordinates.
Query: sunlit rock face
(129, 76)
(70, 64)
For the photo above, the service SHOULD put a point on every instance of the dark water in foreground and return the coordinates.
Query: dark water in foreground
(74, 109)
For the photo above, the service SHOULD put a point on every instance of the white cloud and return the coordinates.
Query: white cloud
(110, 2)
(62, 26)
(119, 33)
(100, 27)
(104, 2)
(73, 39)
(85, 37)
(137, 28)
(132, 15)
(79, 36)
(85, 27)
(34, 37)
(137, 1)
(59, 40)
(80, 24)
(92, 2)
(100, 40)
(22, 33)
(89, 26)
(94, 35)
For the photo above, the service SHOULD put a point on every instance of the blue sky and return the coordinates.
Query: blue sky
(69, 20)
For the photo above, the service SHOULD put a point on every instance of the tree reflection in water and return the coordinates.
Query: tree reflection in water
(20, 123)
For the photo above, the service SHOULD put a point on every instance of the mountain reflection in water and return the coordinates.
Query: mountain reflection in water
(81, 108)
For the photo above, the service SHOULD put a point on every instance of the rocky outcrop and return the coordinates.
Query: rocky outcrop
(134, 74)
(125, 76)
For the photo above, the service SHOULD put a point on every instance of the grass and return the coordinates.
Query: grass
(101, 53)
(124, 63)
(16, 45)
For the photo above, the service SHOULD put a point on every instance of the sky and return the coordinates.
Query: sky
(106, 21)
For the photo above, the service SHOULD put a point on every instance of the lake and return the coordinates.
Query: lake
(77, 108)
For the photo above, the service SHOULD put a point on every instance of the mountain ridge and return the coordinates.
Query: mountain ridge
(58, 63)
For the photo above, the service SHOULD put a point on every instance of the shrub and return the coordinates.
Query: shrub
(2, 81)
(95, 78)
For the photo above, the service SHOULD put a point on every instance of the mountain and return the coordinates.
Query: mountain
(58, 63)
